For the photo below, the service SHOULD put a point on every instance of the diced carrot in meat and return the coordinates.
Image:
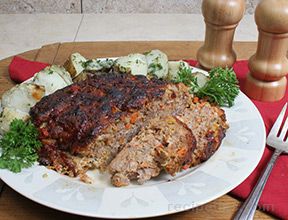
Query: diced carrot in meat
(134, 117)
(128, 126)
(45, 132)
(195, 99)
(182, 152)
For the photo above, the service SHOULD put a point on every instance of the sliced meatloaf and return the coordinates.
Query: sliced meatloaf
(85, 126)
(164, 143)
(208, 124)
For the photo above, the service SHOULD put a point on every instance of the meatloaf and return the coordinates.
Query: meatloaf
(164, 143)
(97, 122)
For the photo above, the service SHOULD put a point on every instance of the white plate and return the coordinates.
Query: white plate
(236, 158)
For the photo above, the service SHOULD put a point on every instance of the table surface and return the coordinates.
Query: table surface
(15, 206)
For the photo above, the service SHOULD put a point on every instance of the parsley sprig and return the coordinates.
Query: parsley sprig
(19, 146)
(153, 67)
(221, 88)
(185, 76)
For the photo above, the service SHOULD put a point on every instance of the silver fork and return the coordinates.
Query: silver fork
(248, 208)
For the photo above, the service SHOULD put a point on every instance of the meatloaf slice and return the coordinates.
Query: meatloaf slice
(208, 123)
(85, 125)
(164, 143)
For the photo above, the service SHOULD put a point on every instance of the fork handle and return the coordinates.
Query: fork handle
(248, 208)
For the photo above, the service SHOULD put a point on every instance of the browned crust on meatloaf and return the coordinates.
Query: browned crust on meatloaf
(78, 113)
(92, 120)
(85, 125)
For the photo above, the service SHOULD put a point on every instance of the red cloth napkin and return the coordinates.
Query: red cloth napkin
(21, 69)
(275, 196)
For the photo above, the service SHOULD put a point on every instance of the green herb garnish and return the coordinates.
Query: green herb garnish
(98, 64)
(221, 88)
(153, 67)
(87, 63)
(50, 72)
(185, 76)
(19, 146)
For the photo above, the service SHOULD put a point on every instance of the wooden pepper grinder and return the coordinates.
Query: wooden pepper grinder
(221, 18)
(268, 67)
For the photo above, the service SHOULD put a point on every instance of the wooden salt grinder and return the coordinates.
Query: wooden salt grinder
(221, 18)
(268, 67)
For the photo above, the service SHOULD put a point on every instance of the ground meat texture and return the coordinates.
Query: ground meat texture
(208, 124)
(86, 125)
(164, 143)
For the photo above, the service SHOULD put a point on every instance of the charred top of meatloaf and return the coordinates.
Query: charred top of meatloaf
(74, 115)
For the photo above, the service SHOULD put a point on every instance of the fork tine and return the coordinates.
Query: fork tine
(277, 124)
(284, 129)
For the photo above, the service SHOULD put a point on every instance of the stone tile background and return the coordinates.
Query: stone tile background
(107, 6)
(39, 6)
